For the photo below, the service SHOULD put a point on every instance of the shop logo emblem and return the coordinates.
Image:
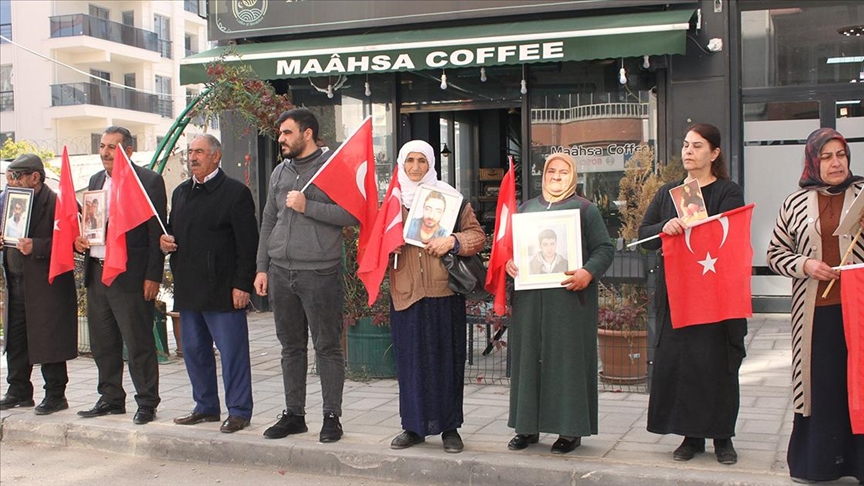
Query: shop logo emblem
(249, 12)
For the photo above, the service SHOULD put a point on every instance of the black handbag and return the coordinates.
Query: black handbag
(467, 274)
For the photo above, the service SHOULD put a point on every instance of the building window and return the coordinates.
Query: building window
(6, 136)
(162, 26)
(163, 87)
(103, 77)
(99, 12)
(5, 19)
(7, 96)
(191, 6)
(129, 18)
(129, 80)
(191, 44)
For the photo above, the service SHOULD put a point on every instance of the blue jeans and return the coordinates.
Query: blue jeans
(304, 302)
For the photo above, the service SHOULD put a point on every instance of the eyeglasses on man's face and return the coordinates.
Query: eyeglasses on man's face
(17, 175)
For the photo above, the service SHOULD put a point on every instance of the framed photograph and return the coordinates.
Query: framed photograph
(545, 245)
(16, 214)
(94, 216)
(433, 213)
(689, 202)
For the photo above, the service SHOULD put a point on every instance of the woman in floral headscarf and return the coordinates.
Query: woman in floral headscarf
(553, 332)
(803, 246)
(427, 320)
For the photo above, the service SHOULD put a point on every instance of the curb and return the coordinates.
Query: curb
(364, 461)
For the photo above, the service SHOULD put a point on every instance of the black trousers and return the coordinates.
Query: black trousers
(116, 316)
(18, 356)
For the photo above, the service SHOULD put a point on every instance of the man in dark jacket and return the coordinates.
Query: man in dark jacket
(213, 238)
(299, 259)
(42, 319)
(123, 312)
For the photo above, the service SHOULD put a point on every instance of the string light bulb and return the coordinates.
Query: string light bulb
(646, 63)
(368, 91)
(483, 75)
(523, 87)
(622, 75)
(443, 80)
(330, 91)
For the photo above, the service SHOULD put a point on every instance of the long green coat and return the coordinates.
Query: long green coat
(553, 340)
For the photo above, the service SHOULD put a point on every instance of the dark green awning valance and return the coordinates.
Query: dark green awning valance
(576, 39)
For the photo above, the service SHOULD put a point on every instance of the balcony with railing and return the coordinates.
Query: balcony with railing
(87, 25)
(100, 95)
(7, 100)
(589, 112)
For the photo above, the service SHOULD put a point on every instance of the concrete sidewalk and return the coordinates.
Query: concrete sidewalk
(623, 453)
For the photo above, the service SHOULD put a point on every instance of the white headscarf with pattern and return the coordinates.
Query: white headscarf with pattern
(409, 187)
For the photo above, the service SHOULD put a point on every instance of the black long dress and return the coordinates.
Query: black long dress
(694, 389)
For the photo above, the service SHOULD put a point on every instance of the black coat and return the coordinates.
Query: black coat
(51, 309)
(216, 233)
(144, 257)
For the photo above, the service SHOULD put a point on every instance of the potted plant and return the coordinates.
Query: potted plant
(623, 333)
(624, 295)
(367, 342)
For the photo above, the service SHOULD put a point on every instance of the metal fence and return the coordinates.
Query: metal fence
(83, 24)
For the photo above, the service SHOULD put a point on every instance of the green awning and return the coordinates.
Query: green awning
(576, 39)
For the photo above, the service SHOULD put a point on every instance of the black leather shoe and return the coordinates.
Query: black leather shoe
(331, 431)
(406, 439)
(144, 415)
(233, 423)
(51, 405)
(196, 418)
(563, 446)
(288, 424)
(689, 448)
(102, 408)
(725, 452)
(452, 441)
(10, 401)
(521, 441)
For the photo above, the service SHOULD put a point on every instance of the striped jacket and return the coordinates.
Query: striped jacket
(795, 239)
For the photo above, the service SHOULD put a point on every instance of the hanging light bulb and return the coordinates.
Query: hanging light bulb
(483, 74)
(368, 91)
(524, 87)
(330, 91)
(622, 75)
(646, 63)
(443, 80)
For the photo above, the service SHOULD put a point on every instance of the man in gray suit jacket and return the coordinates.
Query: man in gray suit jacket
(123, 311)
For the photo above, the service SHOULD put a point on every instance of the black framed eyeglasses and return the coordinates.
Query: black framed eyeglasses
(16, 175)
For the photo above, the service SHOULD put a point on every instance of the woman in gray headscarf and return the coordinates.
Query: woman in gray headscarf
(427, 320)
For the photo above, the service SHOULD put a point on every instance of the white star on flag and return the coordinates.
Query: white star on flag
(708, 264)
(56, 225)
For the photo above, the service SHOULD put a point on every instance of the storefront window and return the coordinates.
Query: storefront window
(803, 45)
(340, 115)
(583, 109)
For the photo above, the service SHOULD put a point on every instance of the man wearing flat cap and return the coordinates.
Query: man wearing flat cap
(41, 325)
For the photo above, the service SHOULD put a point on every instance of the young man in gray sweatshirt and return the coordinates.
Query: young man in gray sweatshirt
(299, 264)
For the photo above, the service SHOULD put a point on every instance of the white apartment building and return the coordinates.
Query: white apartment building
(74, 67)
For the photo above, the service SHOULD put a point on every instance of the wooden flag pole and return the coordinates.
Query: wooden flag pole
(843, 260)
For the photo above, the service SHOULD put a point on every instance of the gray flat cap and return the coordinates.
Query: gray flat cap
(27, 163)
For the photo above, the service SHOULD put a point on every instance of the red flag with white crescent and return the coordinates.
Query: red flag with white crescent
(385, 236)
(708, 270)
(502, 247)
(852, 300)
(66, 227)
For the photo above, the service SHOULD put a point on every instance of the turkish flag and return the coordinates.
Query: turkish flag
(66, 227)
(129, 206)
(502, 247)
(852, 300)
(708, 269)
(385, 236)
(349, 179)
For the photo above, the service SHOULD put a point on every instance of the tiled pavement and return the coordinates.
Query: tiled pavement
(623, 453)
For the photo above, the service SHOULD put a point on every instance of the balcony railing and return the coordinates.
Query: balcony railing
(101, 95)
(7, 100)
(191, 52)
(82, 24)
(588, 112)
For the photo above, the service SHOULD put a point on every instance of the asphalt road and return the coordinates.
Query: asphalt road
(23, 464)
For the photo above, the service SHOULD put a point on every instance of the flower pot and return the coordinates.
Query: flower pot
(370, 350)
(623, 355)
